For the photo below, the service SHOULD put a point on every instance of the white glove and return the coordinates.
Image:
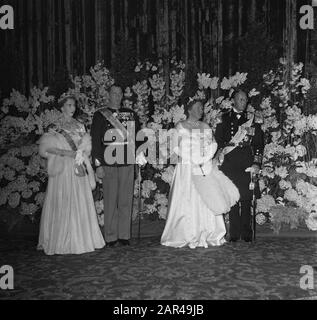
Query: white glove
(253, 170)
(140, 159)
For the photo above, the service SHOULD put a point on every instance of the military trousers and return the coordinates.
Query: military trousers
(118, 188)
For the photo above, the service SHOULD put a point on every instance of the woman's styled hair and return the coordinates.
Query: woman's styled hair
(63, 98)
(190, 103)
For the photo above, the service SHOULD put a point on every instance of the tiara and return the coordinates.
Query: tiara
(65, 96)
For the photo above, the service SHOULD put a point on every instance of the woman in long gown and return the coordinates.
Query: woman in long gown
(200, 192)
(69, 222)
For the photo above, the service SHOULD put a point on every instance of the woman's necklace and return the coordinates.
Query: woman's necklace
(194, 123)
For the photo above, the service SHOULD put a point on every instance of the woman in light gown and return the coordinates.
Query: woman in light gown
(69, 222)
(200, 193)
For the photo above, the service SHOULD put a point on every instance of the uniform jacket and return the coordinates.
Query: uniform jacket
(245, 155)
(105, 136)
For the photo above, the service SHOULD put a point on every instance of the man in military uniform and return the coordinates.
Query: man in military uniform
(248, 154)
(113, 153)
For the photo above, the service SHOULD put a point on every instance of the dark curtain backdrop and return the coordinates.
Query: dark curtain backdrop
(75, 34)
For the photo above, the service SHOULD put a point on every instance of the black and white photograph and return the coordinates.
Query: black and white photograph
(158, 154)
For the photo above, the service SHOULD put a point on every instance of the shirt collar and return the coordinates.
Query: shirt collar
(236, 111)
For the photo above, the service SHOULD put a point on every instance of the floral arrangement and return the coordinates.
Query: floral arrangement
(22, 170)
(288, 180)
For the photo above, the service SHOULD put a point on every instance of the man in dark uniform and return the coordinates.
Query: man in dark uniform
(113, 132)
(234, 164)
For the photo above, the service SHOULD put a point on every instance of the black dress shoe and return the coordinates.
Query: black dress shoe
(124, 242)
(111, 244)
(233, 239)
(247, 239)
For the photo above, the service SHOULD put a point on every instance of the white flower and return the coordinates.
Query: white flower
(291, 195)
(268, 172)
(266, 103)
(312, 122)
(99, 206)
(262, 185)
(214, 83)
(101, 219)
(162, 212)
(177, 113)
(3, 196)
(150, 208)
(281, 171)
(147, 187)
(39, 198)
(238, 79)
(161, 199)
(300, 126)
(14, 199)
(34, 185)
(276, 135)
(285, 184)
(311, 191)
(265, 203)
(219, 99)
(253, 93)
(26, 194)
(291, 151)
(9, 174)
(226, 104)
(283, 61)
(311, 171)
(138, 67)
(203, 80)
(28, 209)
(167, 174)
(305, 84)
(311, 221)
(128, 92)
(301, 150)
(225, 84)
(260, 219)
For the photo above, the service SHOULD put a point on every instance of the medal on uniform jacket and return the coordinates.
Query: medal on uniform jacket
(115, 123)
(244, 130)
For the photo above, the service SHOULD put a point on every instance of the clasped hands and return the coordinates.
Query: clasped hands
(220, 156)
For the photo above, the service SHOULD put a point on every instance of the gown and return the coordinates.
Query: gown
(200, 194)
(69, 222)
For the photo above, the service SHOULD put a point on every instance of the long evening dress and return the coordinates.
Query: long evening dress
(199, 196)
(69, 222)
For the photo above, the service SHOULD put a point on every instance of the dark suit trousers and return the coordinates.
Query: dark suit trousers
(240, 220)
(118, 186)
